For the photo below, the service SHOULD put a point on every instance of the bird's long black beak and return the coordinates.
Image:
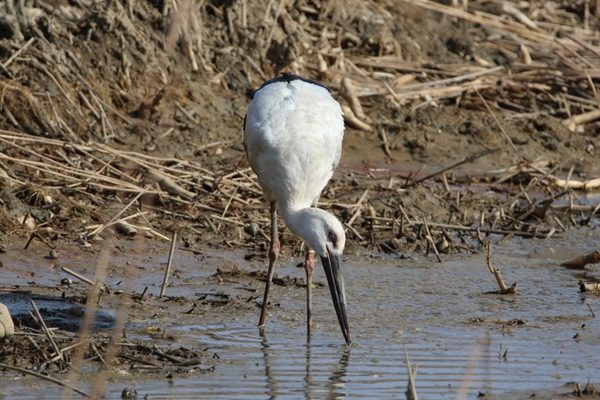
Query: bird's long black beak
(331, 264)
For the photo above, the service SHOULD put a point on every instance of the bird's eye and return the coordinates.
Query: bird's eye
(332, 238)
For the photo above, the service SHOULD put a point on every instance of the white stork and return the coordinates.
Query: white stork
(293, 135)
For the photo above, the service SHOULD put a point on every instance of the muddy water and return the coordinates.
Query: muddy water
(463, 341)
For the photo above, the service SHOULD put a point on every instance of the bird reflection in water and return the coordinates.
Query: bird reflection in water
(316, 385)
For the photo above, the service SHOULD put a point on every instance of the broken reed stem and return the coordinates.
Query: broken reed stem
(348, 92)
(46, 331)
(95, 349)
(113, 219)
(496, 272)
(44, 377)
(163, 288)
(508, 139)
(429, 239)
(493, 270)
(37, 236)
(354, 231)
(37, 347)
(83, 278)
(358, 207)
(463, 228)
(78, 276)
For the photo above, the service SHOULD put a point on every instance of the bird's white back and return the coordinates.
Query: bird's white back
(293, 139)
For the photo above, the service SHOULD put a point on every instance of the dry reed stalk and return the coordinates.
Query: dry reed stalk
(165, 282)
(85, 332)
(575, 184)
(467, 378)
(496, 272)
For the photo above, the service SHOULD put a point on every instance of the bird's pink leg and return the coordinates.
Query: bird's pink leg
(273, 255)
(309, 267)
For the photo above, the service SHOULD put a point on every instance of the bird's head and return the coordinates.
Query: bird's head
(321, 231)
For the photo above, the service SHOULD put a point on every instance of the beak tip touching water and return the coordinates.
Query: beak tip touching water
(332, 266)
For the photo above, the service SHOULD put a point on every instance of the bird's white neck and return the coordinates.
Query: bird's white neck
(299, 220)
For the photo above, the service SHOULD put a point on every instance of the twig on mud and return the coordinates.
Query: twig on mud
(408, 221)
(503, 288)
(429, 238)
(95, 349)
(89, 105)
(387, 248)
(358, 206)
(353, 120)
(537, 234)
(348, 92)
(187, 114)
(463, 161)
(40, 237)
(163, 287)
(44, 377)
(83, 278)
(18, 52)
(386, 143)
(508, 139)
(591, 257)
(53, 78)
(166, 183)
(354, 231)
(231, 197)
(37, 347)
(575, 184)
(78, 276)
(113, 220)
(58, 353)
(487, 20)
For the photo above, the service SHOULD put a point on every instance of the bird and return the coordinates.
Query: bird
(293, 132)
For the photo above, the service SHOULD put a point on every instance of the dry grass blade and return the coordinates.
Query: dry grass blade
(115, 218)
(465, 160)
(488, 20)
(469, 369)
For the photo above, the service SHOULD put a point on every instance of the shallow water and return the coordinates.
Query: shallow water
(436, 313)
